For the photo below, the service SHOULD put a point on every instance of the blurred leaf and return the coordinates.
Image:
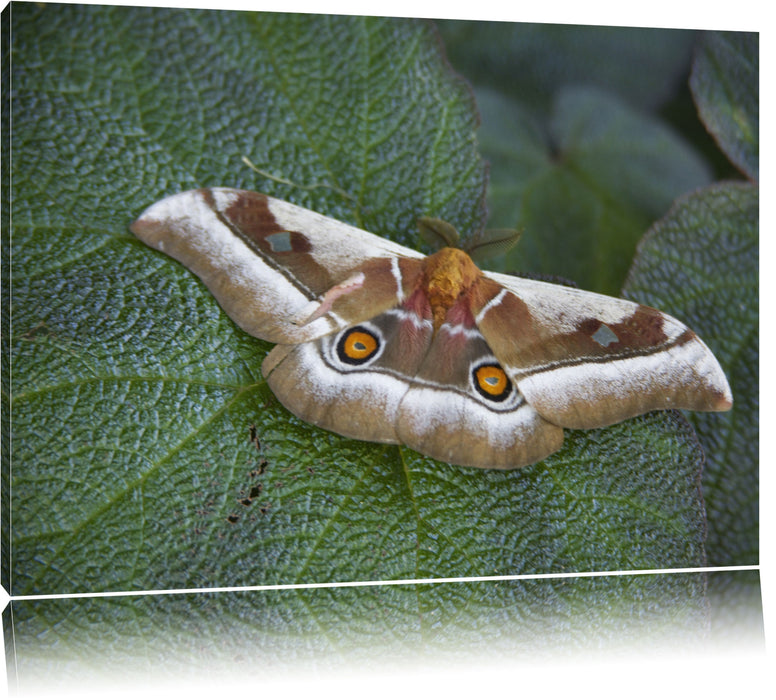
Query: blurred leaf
(586, 191)
(700, 263)
(148, 451)
(533, 62)
(725, 86)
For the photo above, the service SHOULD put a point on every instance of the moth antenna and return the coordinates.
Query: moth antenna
(492, 243)
(438, 234)
(283, 181)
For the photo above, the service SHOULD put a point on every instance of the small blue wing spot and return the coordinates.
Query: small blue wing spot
(280, 242)
(605, 336)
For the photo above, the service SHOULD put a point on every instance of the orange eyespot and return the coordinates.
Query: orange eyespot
(357, 346)
(492, 382)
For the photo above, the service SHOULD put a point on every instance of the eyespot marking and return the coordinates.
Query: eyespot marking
(358, 345)
(491, 381)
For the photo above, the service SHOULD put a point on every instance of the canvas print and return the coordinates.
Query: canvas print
(296, 299)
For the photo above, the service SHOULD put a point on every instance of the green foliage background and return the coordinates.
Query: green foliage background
(132, 398)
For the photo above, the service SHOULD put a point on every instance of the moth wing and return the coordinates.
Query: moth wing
(342, 383)
(271, 264)
(459, 409)
(586, 360)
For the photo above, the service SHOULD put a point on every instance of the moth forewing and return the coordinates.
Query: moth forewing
(264, 260)
(595, 360)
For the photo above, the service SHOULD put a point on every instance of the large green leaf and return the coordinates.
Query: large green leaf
(136, 400)
(700, 263)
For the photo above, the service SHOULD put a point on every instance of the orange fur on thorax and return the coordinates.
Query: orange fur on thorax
(448, 274)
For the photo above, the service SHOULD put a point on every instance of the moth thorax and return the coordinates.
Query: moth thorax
(447, 275)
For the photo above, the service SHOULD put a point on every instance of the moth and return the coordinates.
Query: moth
(378, 342)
